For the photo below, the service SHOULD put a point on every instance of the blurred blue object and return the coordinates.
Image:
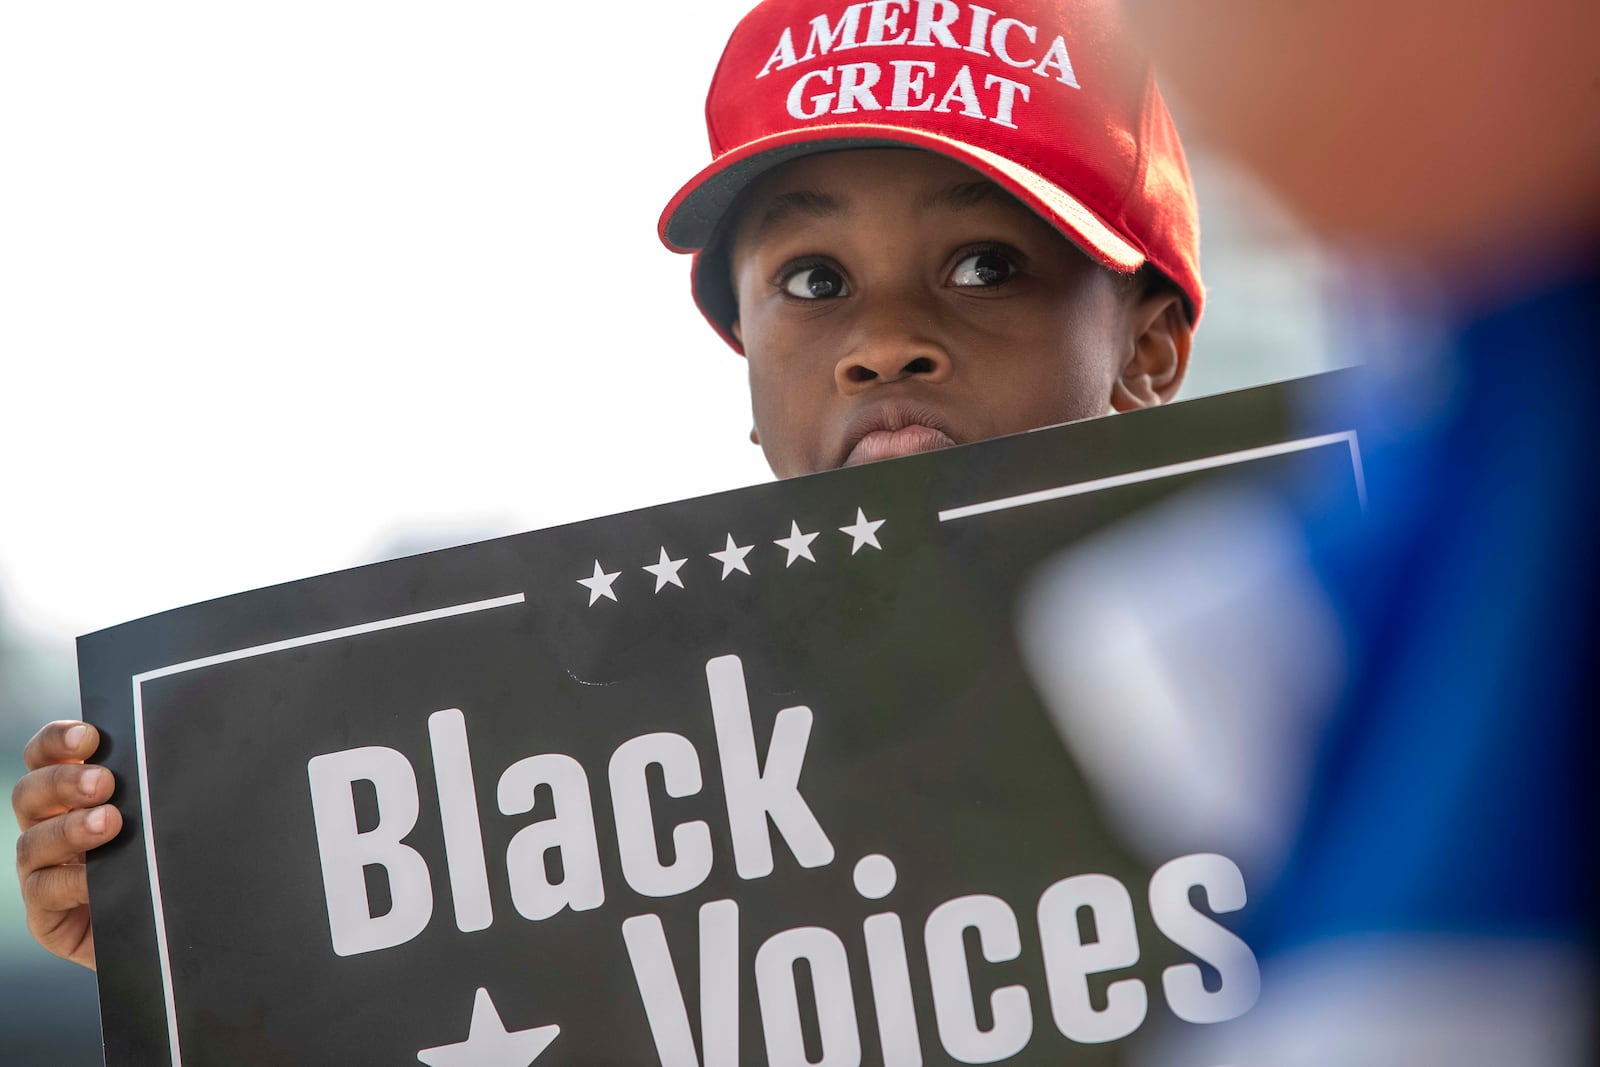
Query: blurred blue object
(1453, 787)
(1437, 903)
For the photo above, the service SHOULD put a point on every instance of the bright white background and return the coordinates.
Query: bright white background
(278, 278)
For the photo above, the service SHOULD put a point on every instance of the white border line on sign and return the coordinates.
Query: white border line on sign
(1225, 459)
(230, 657)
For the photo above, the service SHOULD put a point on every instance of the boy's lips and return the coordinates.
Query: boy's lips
(891, 444)
(891, 430)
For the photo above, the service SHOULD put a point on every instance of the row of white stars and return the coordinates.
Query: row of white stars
(863, 533)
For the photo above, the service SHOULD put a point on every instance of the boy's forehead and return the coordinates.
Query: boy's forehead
(841, 184)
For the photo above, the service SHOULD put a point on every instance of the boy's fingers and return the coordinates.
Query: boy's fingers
(50, 791)
(55, 889)
(65, 838)
(63, 741)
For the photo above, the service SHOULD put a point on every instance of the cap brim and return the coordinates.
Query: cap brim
(692, 218)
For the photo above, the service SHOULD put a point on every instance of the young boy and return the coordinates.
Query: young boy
(929, 223)
(926, 223)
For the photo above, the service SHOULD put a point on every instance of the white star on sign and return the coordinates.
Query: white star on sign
(797, 544)
(666, 571)
(600, 584)
(863, 532)
(489, 1044)
(732, 558)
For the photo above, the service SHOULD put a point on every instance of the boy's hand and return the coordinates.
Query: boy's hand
(60, 806)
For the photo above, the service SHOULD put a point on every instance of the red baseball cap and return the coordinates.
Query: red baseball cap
(1052, 99)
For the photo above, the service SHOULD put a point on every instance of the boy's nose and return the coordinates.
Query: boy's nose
(891, 351)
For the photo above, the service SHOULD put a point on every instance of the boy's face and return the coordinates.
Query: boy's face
(895, 301)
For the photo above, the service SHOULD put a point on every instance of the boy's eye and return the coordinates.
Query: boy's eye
(981, 269)
(815, 283)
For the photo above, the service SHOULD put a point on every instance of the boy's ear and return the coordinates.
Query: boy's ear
(1159, 339)
(738, 335)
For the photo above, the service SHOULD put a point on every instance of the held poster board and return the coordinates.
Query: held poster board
(759, 777)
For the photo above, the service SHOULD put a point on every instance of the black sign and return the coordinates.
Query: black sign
(754, 778)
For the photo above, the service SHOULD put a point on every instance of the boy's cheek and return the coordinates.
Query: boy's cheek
(782, 419)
